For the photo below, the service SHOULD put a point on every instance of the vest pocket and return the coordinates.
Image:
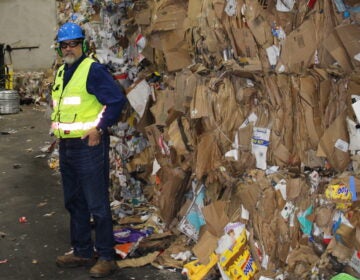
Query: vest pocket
(67, 117)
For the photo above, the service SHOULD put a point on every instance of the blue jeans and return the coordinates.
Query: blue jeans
(85, 177)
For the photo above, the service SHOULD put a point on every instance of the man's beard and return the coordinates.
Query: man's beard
(70, 59)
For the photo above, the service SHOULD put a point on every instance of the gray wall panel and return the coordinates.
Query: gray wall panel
(26, 23)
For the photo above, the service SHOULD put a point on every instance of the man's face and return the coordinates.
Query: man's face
(71, 50)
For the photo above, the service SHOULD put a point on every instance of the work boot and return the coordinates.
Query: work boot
(103, 268)
(70, 260)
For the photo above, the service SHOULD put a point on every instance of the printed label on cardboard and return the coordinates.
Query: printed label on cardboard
(342, 145)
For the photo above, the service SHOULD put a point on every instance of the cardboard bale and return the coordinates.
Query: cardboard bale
(223, 89)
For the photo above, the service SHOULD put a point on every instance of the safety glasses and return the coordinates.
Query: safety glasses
(71, 44)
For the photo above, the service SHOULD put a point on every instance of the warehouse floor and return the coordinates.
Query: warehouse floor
(30, 189)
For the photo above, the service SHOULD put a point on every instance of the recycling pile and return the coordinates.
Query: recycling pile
(33, 87)
(240, 145)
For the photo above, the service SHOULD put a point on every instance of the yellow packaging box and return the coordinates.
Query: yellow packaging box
(340, 194)
(196, 271)
(229, 253)
(244, 267)
(237, 262)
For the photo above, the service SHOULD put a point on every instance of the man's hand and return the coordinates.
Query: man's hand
(94, 136)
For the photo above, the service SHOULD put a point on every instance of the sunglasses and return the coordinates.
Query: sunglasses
(71, 44)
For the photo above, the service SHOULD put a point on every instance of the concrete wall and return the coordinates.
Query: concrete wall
(26, 23)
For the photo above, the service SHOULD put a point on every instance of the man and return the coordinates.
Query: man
(86, 101)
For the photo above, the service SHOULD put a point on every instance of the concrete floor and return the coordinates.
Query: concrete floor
(29, 188)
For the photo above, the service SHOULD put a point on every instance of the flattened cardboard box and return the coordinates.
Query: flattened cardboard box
(177, 60)
(170, 191)
(350, 38)
(299, 48)
(143, 17)
(256, 18)
(337, 50)
(333, 144)
(194, 10)
(208, 154)
(309, 98)
(186, 83)
(168, 17)
(164, 102)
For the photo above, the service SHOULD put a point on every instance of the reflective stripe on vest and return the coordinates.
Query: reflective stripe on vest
(76, 125)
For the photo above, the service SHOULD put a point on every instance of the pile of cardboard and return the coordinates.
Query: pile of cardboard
(252, 120)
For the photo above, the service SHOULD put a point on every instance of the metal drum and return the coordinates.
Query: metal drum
(9, 102)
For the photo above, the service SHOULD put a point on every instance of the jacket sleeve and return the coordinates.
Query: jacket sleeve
(109, 93)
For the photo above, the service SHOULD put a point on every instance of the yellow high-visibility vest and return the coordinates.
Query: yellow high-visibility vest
(75, 110)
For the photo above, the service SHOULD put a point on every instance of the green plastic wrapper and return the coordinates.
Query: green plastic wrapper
(343, 276)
